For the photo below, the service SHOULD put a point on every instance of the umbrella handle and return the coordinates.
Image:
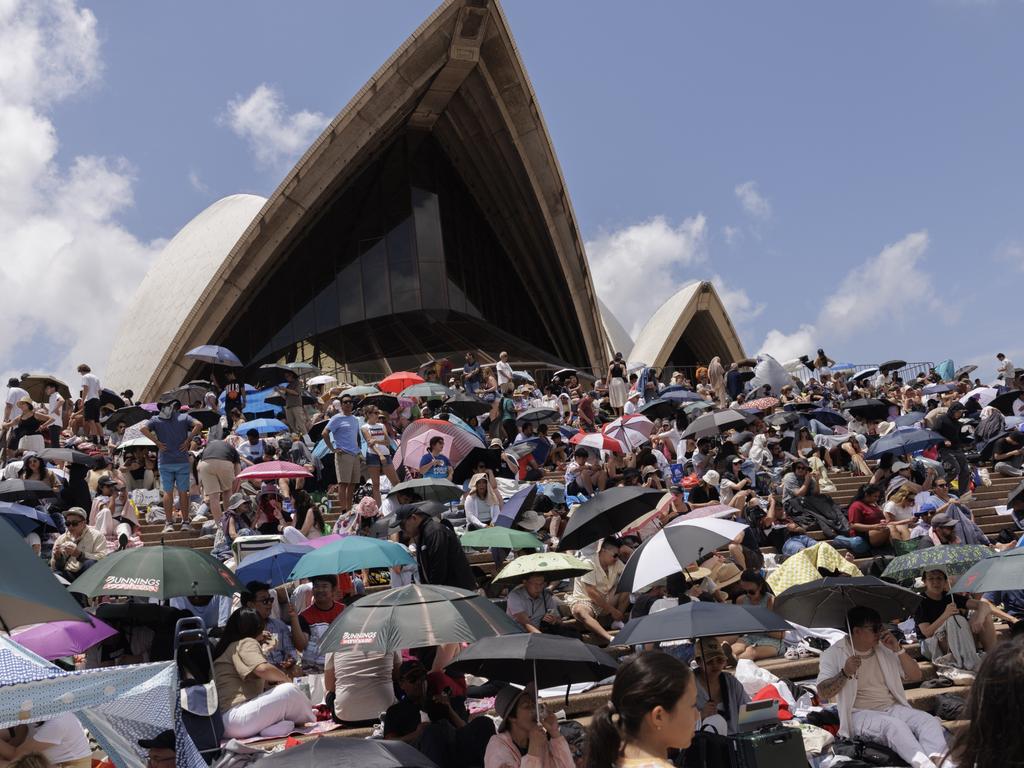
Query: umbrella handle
(536, 692)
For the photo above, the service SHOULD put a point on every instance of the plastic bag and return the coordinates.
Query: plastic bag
(754, 678)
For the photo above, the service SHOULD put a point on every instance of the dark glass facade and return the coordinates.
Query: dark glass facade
(401, 265)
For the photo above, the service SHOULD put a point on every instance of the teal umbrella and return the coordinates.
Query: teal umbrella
(158, 572)
(352, 553)
(498, 536)
(30, 594)
(954, 559)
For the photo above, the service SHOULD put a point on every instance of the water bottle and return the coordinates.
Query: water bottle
(804, 704)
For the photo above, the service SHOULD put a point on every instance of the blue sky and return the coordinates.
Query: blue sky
(849, 175)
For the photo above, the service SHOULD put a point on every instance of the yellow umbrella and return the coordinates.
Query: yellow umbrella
(803, 567)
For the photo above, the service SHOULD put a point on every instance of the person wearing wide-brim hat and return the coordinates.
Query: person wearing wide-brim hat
(521, 740)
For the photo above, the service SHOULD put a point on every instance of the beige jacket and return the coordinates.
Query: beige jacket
(92, 545)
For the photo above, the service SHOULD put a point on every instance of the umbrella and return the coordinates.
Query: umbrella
(808, 565)
(351, 553)
(35, 385)
(673, 548)
(538, 446)
(938, 389)
(317, 430)
(278, 400)
(25, 490)
(500, 537)
(984, 395)
(136, 442)
(904, 440)
(801, 407)
(564, 373)
(697, 405)
(396, 382)
(350, 753)
(518, 503)
(700, 619)
(554, 566)
(909, 419)
(538, 416)
(607, 513)
(416, 438)
(954, 559)
(466, 406)
(323, 379)
(158, 572)
(273, 373)
(865, 374)
(782, 418)
(680, 394)
(891, 365)
(828, 417)
(273, 470)
(273, 564)
(869, 408)
(385, 403)
(57, 639)
(263, 427)
(1000, 572)
(760, 404)
(711, 424)
(824, 603)
(302, 369)
(597, 441)
(30, 594)
(522, 376)
(965, 370)
(210, 353)
(429, 489)
(205, 416)
(632, 431)
(545, 660)
(1004, 402)
(660, 408)
(68, 456)
(26, 519)
(426, 390)
(361, 390)
(111, 398)
(416, 616)
(187, 394)
(130, 415)
(466, 468)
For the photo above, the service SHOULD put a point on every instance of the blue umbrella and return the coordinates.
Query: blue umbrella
(905, 440)
(25, 518)
(567, 431)
(515, 506)
(352, 553)
(679, 393)
(210, 353)
(273, 564)
(827, 416)
(263, 426)
(938, 389)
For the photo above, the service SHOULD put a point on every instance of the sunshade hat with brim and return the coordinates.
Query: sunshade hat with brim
(554, 566)
(158, 572)
(506, 701)
(350, 753)
(725, 574)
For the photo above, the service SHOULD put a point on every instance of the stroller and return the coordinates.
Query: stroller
(200, 713)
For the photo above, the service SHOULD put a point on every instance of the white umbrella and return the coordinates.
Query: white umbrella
(632, 431)
(985, 395)
(671, 549)
(323, 378)
(138, 442)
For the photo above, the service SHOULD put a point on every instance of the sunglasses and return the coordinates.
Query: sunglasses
(75, 523)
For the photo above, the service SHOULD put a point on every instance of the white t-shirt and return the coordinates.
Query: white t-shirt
(1018, 407)
(504, 372)
(91, 386)
(55, 407)
(66, 735)
(1006, 369)
(14, 394)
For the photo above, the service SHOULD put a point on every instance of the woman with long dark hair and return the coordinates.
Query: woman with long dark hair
(241, 671)
(755, 591)
(652, 710)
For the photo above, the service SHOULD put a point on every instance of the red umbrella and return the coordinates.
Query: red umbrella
(396, 382)
(596, 440)
(273, 470)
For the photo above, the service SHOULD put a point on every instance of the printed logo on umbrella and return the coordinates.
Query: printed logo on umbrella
(134, 584)
(358, 638)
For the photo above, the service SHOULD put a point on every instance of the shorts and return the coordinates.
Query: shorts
(588, 606)
(373, 460)
(216, 476)
(763, 640)
(172, 475)
(91, 409)
(347, 467)
(34, 443)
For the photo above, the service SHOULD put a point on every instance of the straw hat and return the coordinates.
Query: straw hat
(724, 574)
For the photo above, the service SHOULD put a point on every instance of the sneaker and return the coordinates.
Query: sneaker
(168, 528)
(122, 541)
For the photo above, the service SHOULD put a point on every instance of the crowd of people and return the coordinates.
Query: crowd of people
(768, 462)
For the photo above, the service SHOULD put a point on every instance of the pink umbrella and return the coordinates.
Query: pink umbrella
(57, 639)
(598, 441)
(273, 470)
(458, 442)
(632, 431)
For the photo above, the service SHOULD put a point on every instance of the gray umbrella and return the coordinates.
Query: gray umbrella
(30, 594)
(538, 416)
(698, 619)
(430, 489)
(712, 423)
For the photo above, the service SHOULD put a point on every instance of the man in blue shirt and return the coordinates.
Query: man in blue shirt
(172, 431)
(342, 436)
(434, 463)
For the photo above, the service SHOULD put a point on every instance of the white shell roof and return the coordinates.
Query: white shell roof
(617, 334)
(172, 287)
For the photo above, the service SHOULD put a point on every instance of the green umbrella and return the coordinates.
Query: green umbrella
(430, 489)
(994, 574)
(416, 616)
(554, 566)
(30, 594)
(157, 572)
(498, 536)
(955, 560)
(351, 553)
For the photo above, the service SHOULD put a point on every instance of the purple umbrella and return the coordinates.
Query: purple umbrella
(57, 639)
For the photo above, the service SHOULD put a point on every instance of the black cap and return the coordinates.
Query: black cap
(163, 740)
(403, 512)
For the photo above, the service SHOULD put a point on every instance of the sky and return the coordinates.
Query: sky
(848, 175)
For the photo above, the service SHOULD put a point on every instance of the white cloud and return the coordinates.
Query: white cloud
(275, 137)
(67, 264)
(1011, 252)
(889, 290)
(732, 235)
(197, 183)
(738, 304)
(636, 268)
(753, 202)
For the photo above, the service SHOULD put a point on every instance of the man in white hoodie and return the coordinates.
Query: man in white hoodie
(864, 674)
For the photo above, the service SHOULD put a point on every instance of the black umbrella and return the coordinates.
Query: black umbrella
(465, 406)
(317, 430)
(25, 490)
(131, 414)
(350, 753)
(307, 399)
(607, 513)
(272, 373)
(824, 603)
(429, 489)
(699, 619)
(68, 456)
(712, 423)
(868, 408)
(111, 398)
(661, 408)
(466, 468)
(30, 593)
(782, 418)
(383, 402)
(564, 373)
(865, 374)
(538, 416)
(891, 365)
(1004, 402)
(185, 394)
(965, 370)
(828, 417)
(1002, 572)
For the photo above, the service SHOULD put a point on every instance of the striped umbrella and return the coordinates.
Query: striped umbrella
(457, 441)
(597, 441)
(632, 431)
